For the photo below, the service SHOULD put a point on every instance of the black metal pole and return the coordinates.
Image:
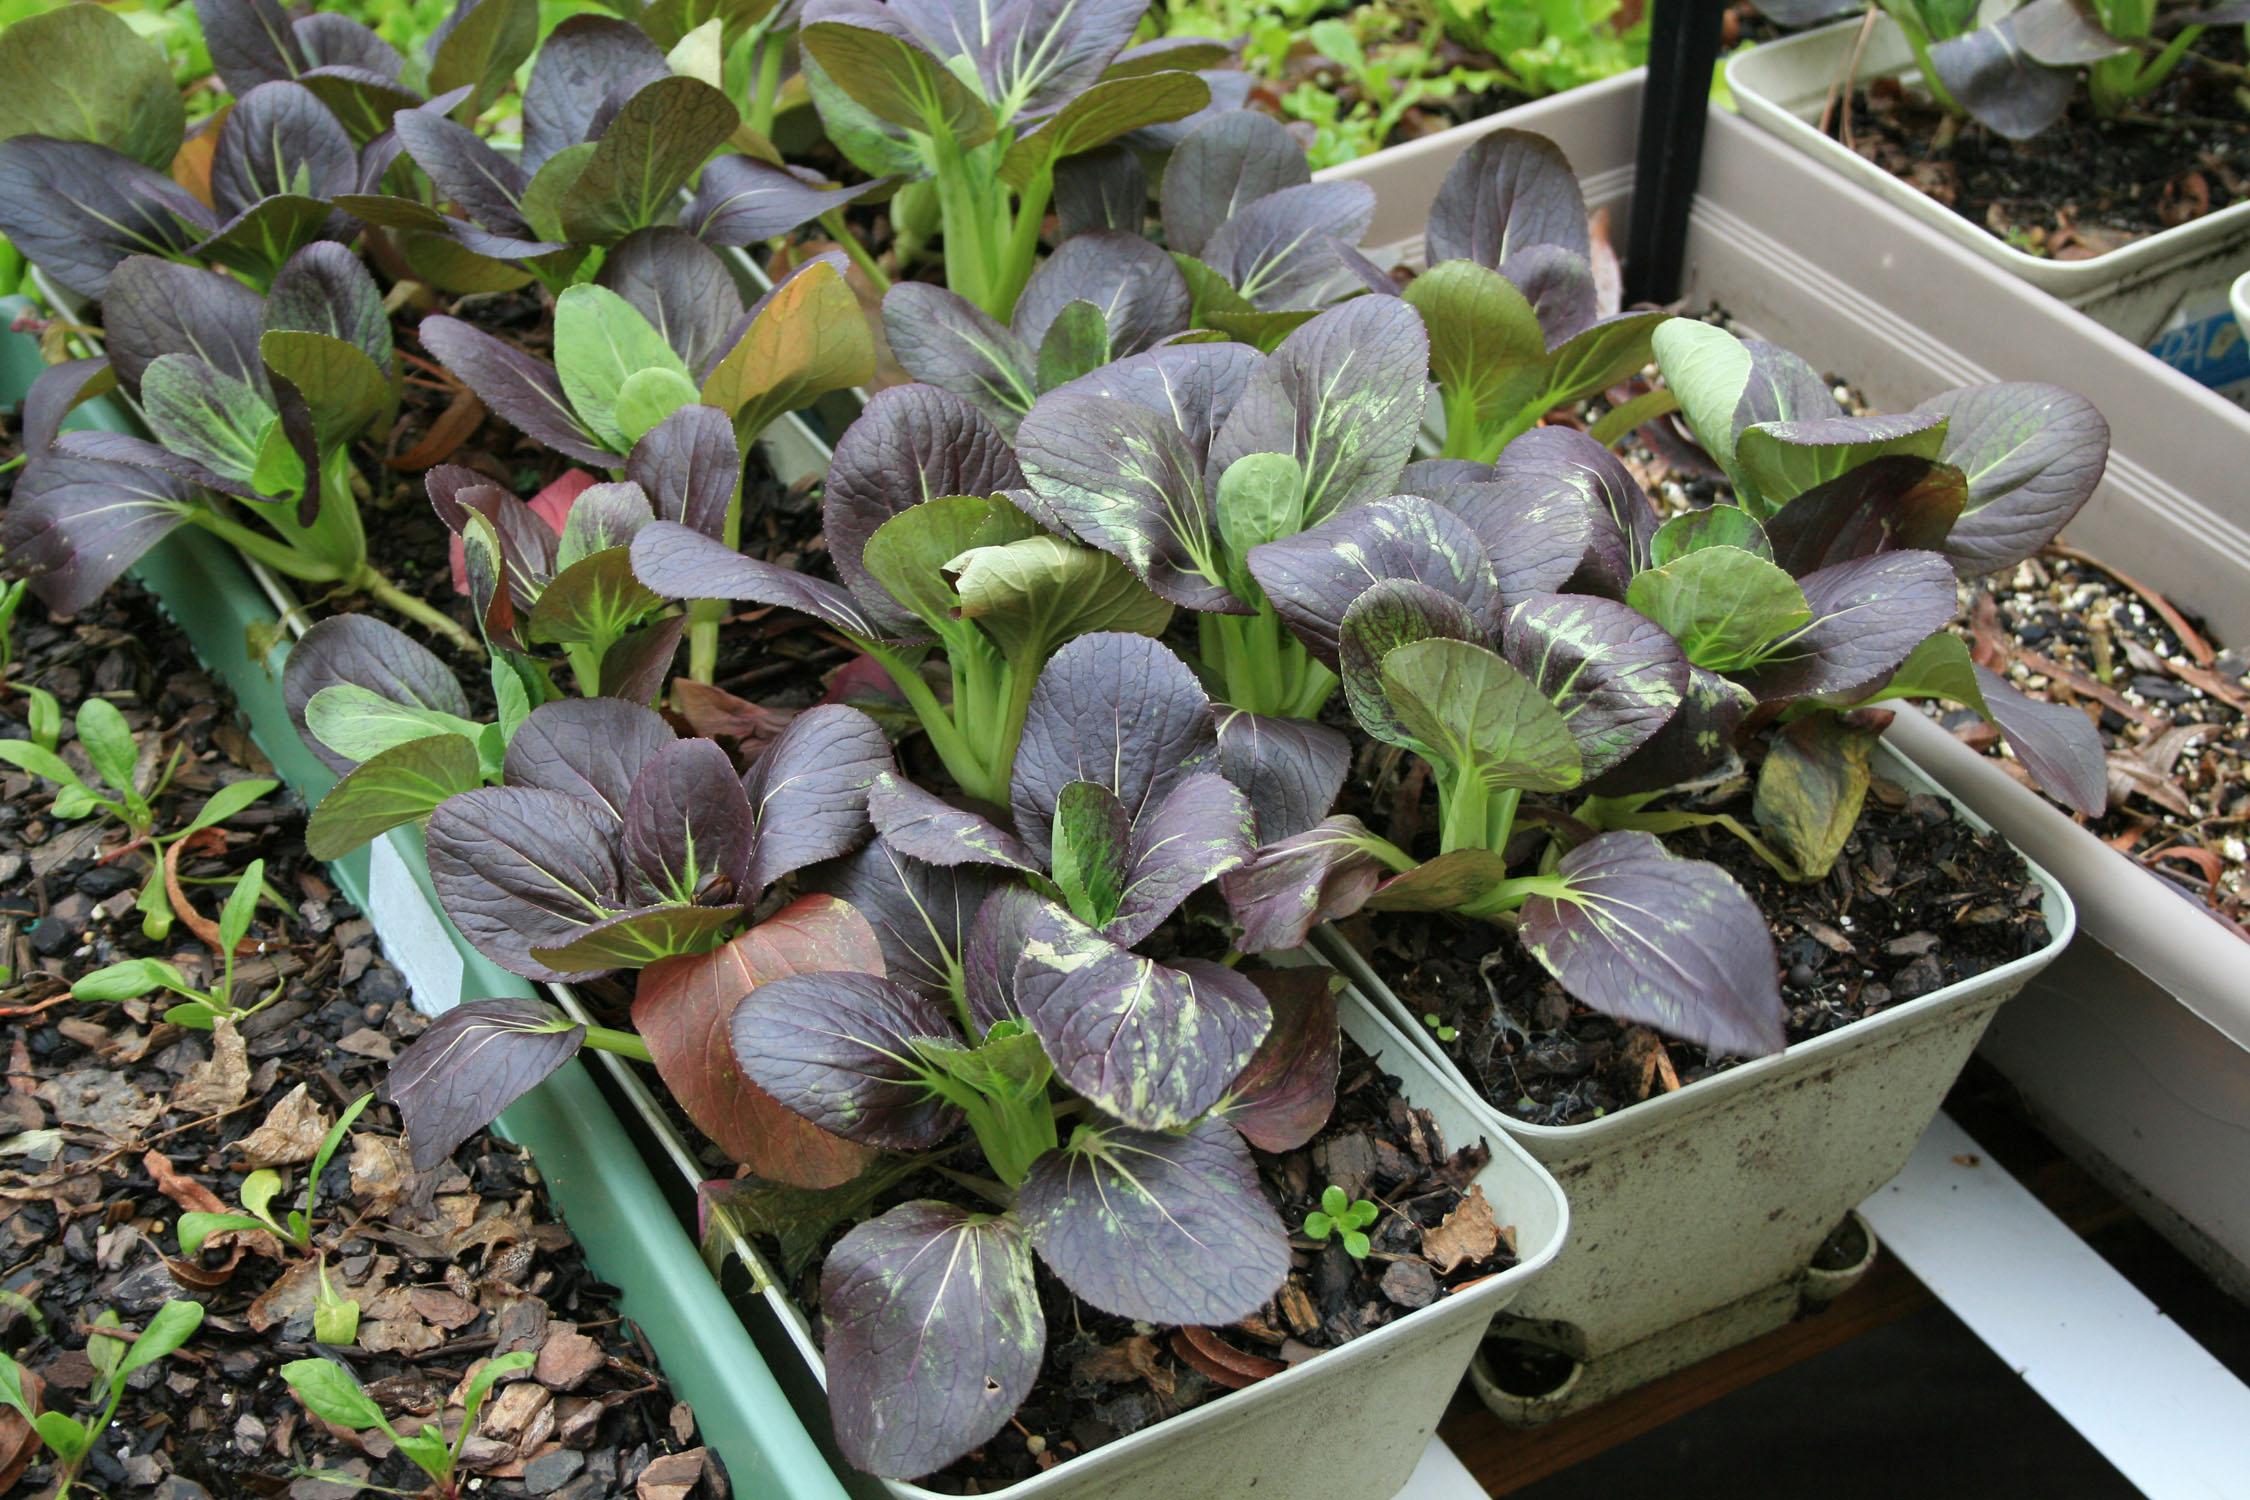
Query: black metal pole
(1683, 47)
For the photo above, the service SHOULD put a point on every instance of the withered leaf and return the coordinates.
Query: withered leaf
(1466, 1235)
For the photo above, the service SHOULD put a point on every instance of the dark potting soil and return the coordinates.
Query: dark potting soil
(1919, 900)
(2172, 705)
(117, 1122)
(2088, 185)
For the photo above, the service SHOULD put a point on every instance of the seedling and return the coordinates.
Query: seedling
(114, 1360)
(131, 978)
(1438, 1028)
(335, 1317)
(258, 1191)
(1347, 1218)
(331, 1393)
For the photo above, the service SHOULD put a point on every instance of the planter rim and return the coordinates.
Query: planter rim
(1652, 1114)
(1753, 75)
(2129, 910)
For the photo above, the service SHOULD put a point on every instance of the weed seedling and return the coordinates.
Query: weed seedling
(258, 1191)
(331, 1393)
(114, 1360)
(199, 1009)
(1339, 1214)
(1438, 1028)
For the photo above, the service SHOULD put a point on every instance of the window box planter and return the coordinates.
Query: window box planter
(1696, 1215)
(1781, 86)
(1822, 264)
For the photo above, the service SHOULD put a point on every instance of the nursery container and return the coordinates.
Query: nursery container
(1696, 1215)
(1783, 85)
(1367, 1409)
(1811, 259)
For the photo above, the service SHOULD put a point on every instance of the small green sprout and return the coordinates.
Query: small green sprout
(201, 1009)
(333, 1394)
(258, 1191)
(1338, 1214)
(1443, 1032)
(335, 1318)
(114, 1360)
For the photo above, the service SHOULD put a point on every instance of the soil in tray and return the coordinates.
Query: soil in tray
(2088, 185)
(2173, 707)
(1919, 900)
(117, 1122)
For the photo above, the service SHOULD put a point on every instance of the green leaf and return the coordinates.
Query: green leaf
(401, 785)
(1472, 712)
(1939, 668)
(174, 1324)
(1727, 608)
(1356, 1244)
(427, 1451)
(268, 233)
(810, 339)
(649, 396)
(129, 979)
(638, 940)
(102, 1351)
(480, 1385)
(24, 755)
(1714, 526)
(345, 390)
(483, 52)
(43, 717)
(195, 1229)
(1100, 115)
(360, 724)
(203, 414)
(196, 1015)
(241, 906)
(1812, 787)
(155, 906)
(226, 802)
(445, 263)
(336, 1319)
(593, 601)
(108, 742)
(543, 196)
(1319, 1225)
(1334, 1201)
(601, 341)
(895, 80)
(329, 1145)
(1261, 499)
(330, 1393)
(1034, 594)
(1008, 1064)
(1092, 855)
(1708, 369)
(81, 73)
(65, 1437)
(1780, 470)
(1209, 292)
(512, 697)
(258, 1192)
(1077, 343)
(648, 153)
(1487, 351)
(909, 554)
(11, 1386)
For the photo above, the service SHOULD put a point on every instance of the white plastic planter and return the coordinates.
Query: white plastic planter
(1369, 1406)
(1695, 1215)
(1783, 85)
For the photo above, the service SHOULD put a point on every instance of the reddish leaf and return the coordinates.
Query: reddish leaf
(682, 1009)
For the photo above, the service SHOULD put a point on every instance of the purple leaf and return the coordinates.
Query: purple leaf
(1884, 505)
(935, 1335)
(521, 868)
(157, 307)
(926, 827)
(1292, 769)
(250, 41)
(77, 522)
(1101, 189)
(2057, 744)
(1509, 190)
(1559, 285)
(1781, 387)
(687, 821)
(680, 562)
(2032, 454)
(682, 287)
(1314, 577)
(590, 749)
(997, 938)
(740, 200)
(1615, 675)
(922, 913)
(2007, 90)
(1115, 709)
(838, 1049)
(1290, 887)
(911, 443)
(1660, 941)
(1169, 1229)
(474, 1061)
(1344, 395)
(944, 340)
(1152, 1045)
(637, 667)
(1220, 169)
(1565, 460)
(1279, 251)
(1201, 830)
(280, 140)
(55, 393)
(1288, 1091)
(1868, 615)
(690, 469)
(1139, 291)
(478, 180)
(1392, 613)
(362, 651)
(324, 288)
(808, 791)
(1045, 51)
(76, 210)
(583, 59)
(525, 391)
(1694, 742)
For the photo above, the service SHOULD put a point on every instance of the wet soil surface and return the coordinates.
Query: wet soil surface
(1919, 900)
(2088, 185)
(2172, 704)
(113, 1122)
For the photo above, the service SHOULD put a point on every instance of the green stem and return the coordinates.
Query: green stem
(623, 1043)
(1919, 41)
(1023, 242)
(970, 260)
(1673, 822)
(1615, 423)
(765, 96)
(838, 230)
(258, 547)
(1465, 804)
(1464, 437)
(704, 616)
(952, 747)
(388, 594)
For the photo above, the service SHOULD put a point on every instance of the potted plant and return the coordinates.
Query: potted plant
(1952, 109)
